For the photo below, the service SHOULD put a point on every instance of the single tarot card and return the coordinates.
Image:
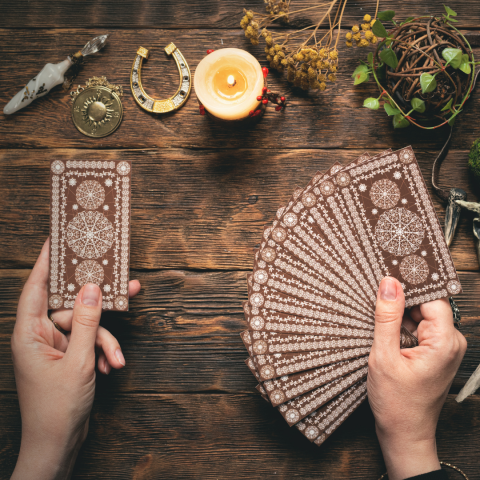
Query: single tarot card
(271, 321)
(287, 387)
(89, 231)
(297, 409)
(280, 364)
(388, 204)
(323, 422)
(261, 343)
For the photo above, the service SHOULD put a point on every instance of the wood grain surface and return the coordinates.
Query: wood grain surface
(185, 406)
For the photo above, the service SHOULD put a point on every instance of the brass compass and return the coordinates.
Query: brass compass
(97, 111)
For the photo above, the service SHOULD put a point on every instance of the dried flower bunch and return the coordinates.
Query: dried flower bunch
(362, 34)
(423, 69)
(309, 59)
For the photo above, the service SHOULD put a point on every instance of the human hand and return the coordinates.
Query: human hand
(55, 373)
(407, 388)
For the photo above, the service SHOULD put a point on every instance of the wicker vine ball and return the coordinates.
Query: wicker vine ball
(418, 46)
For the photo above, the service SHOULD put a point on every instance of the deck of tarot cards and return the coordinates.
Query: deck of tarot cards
(312, 292)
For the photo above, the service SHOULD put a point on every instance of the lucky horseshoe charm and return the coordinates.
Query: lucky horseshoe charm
(153, 105)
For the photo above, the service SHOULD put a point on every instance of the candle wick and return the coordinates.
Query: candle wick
(231, 80)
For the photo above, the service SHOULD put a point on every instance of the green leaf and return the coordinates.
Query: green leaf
(390, 110)
(399, 121)
(452, 120)
(465, 66)
(370, 58)
(450, 11)
(360, 78)
(427, 82)
(418, 105)
(379, 30)
(389, 57)
(380, 72)
(409, 19)
(450, 19)
(448, 106)
(360, 69)
(386, 16)
(371, 103)
(453, 56)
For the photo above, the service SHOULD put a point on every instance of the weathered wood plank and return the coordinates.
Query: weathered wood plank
(181, 334)
(333, 119)
(206, 14)
(191, 209)
(233, 436)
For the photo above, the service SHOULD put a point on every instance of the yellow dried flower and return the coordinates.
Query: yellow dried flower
(363, 43)
(246, 19)
(365, 26)
(333, 68)
(333, 54)
(249, 31)
(269, 58)
(357, 37)
(281, 54)
(332, 77)
(272, 51)
(322, 78)
(290, 60)
(254, 41)
(355, 29)
(267, 50)
(243, 24)
(304, 67)
(265, 34)
(254, 25)
(298, 74)
(367, 17)
(276, 59)
(249, 14)
(311, 73)
(372, 22)
(300, 57)
(269, 41)
(369, 35)
(314, 55)
(349, 44)
(349, 36)
(322, 53)
(284, 62)
(323, 86)
(277, 47)
(374, 40)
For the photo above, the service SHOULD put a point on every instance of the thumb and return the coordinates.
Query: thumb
(86, 319)
(388, 317)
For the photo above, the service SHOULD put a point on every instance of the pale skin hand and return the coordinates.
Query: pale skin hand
(55, 374)
(407, 388)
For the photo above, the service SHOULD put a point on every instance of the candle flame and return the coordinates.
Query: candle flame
(231, 80)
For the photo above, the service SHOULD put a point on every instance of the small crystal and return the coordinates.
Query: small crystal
(93, 46)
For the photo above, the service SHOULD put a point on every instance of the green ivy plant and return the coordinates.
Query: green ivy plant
(386, 57)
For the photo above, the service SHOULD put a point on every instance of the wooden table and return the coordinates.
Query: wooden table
(185, 406)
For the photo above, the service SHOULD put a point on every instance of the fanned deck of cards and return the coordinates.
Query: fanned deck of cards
(89, 231)
(312, 292)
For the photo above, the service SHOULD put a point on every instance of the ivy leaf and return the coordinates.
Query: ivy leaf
(465, 66)
(407, 20)
(371, 103)
(427, 82)
(360, 78)
(360, 69)
(399, 121)
(390, 110)
(370, 58)
(418, 105)
(389, 57)
(450, 19)
(448, 106)
(380, 72)
(450, 11)
(386, 16)
(379, 30)
(453, 56)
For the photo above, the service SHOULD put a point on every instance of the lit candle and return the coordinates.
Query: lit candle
(227, 83)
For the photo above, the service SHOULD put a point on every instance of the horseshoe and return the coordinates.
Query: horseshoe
(153, 105)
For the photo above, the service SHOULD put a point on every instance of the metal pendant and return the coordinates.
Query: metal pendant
(97, 111)
(171, 104)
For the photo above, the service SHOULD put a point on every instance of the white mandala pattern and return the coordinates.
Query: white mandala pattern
(72, 182)
(90, 234)
(343, 179)
(453, 287)
(257, 323)
(279, 234)
(71, 287)
(90, 194)
(108, 182)
(362, 187)
(123, 168)
(399, 231)
(260, 276)
(292, 416)
(107, 288)
(290, 219)
(327, 188)
(121, 303)
(57, 167)
(385, 194)
(309, 200)
(414, 269)
(260, 347)
(89, 271)
(435, 277)
(55, 301)
(406, 156)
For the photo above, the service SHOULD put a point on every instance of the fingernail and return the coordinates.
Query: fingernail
(119, 355)
(91, 295)
(388, 289)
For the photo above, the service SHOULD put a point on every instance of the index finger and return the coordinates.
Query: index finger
(33, 300)
(437, 319)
